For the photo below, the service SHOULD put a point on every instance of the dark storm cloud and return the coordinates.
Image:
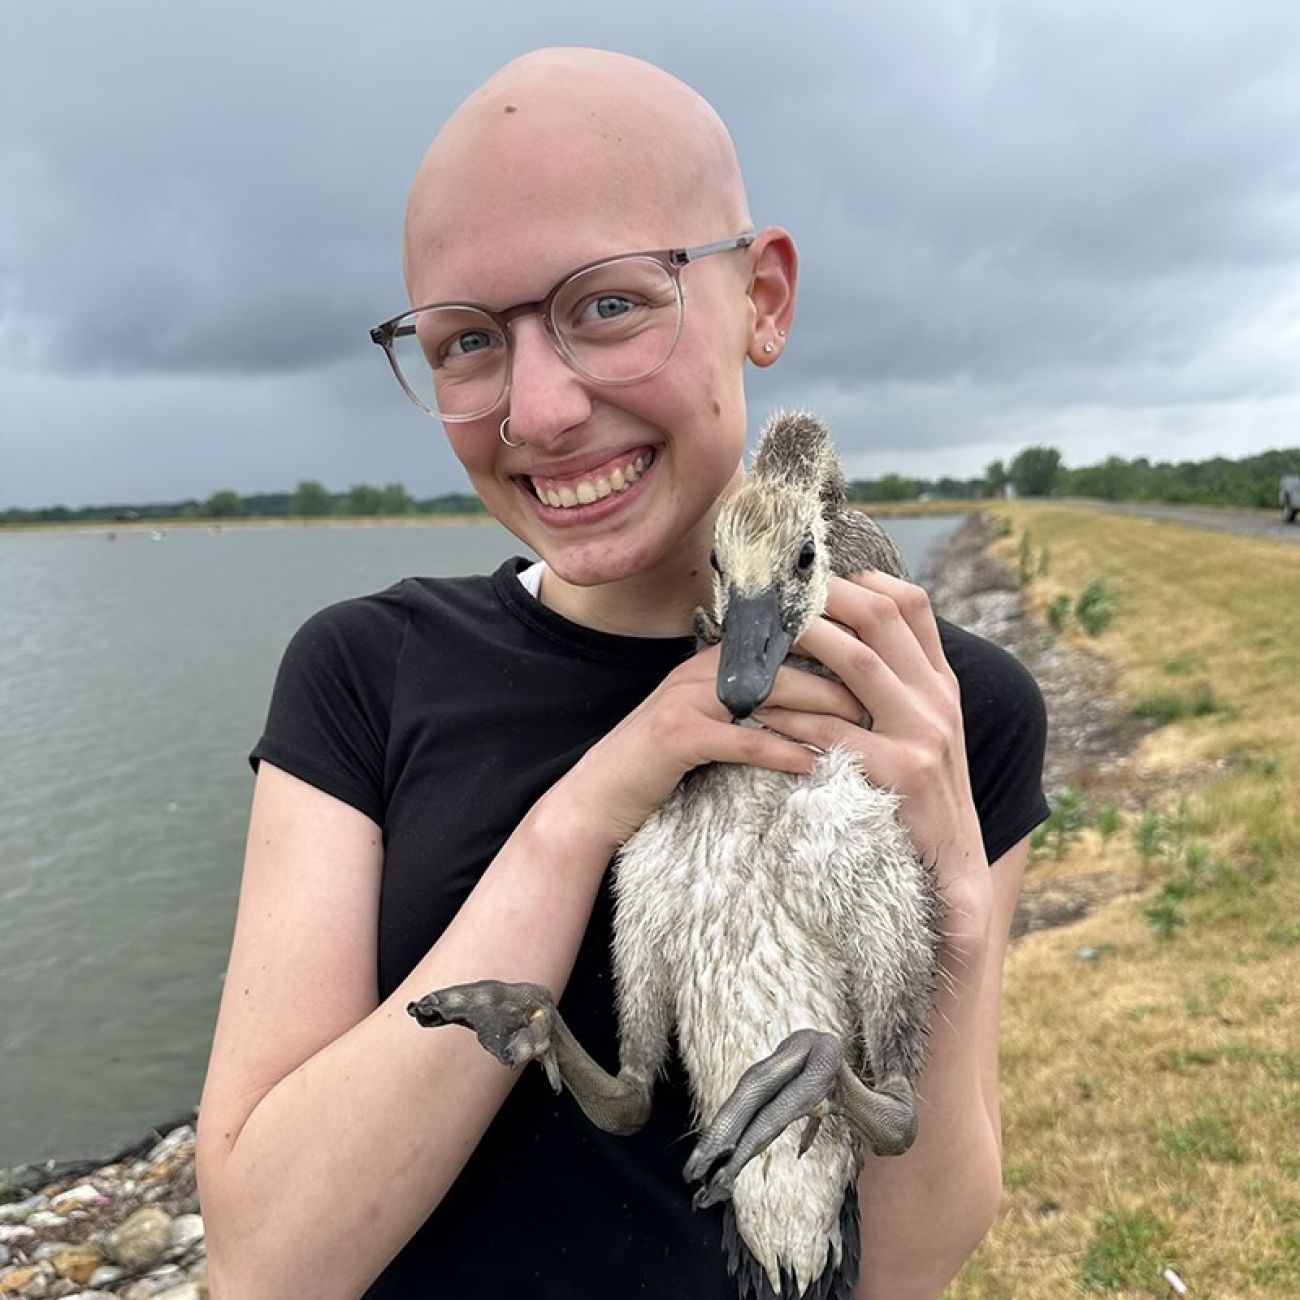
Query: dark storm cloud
(1013, 218)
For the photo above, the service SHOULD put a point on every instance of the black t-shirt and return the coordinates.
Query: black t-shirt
(443, 709)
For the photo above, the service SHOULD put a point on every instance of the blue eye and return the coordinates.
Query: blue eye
(608, 306)
(469, 341)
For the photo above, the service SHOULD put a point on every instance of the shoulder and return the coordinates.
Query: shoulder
(995, 685)
(1005, 724)
(374, 626)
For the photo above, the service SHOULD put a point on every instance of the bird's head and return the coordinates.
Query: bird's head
(770, 556)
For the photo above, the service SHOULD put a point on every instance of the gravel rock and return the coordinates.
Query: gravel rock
(165, 1281)
(141, 1239)
(77, 1198)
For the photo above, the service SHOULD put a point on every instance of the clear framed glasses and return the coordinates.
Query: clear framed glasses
(615, 321)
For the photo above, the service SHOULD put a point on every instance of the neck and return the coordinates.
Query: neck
(655, 602)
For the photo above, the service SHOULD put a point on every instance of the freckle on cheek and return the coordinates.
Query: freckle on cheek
(717, 407)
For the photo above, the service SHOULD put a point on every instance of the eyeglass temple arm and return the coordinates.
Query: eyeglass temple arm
(384, 334)
(681, 256)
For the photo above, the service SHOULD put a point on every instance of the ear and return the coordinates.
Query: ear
(772, 293)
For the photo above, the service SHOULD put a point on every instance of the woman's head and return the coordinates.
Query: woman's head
(562, 158)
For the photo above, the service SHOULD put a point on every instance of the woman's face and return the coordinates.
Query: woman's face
(673, 440)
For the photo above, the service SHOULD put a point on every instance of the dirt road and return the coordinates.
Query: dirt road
(1222, 519)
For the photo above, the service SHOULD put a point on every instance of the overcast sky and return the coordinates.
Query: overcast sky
(1020, 222)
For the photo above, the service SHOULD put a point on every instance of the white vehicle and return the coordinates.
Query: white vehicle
(1288, 495)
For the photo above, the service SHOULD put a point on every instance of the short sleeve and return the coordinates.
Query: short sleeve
(1006, 737)
(330, 710)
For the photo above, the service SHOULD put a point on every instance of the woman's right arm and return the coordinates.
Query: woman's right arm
(330, 1127)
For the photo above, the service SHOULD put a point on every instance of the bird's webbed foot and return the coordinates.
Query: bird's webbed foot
(795, 1081)
(805, 1078)
(519, 1023)
(515, 1022)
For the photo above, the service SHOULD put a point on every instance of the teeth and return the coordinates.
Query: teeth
(585, 492)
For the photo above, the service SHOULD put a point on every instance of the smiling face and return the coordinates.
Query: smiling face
(563, 158)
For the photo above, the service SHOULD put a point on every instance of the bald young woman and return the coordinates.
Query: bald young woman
(449, 766)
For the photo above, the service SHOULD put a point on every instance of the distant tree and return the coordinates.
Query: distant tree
(363, 499)
(395, 500)
(995, 475)
(894, 487)
(1033, 472)
(452, 503)
(224, 504)
(311, 499)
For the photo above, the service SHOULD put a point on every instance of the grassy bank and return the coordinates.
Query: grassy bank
(1151, 1053)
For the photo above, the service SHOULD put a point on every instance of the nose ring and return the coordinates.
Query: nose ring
(504, 438)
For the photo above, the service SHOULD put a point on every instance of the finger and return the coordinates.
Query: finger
(795, 688)
(876, 619)
(861, 667)
(824, 731)
(914, 604)
(758, 747)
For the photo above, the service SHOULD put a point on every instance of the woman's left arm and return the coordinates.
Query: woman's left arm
(923, 1213)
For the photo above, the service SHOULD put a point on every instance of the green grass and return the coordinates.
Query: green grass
(1205, 1139)
(1164, 707)
(1125, 1251)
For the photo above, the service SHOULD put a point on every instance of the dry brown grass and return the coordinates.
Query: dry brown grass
(1151, 1093)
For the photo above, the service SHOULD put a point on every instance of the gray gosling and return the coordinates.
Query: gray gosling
(782, 925)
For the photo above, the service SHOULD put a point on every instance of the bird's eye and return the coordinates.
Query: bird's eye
(713, 560)
(807, 555)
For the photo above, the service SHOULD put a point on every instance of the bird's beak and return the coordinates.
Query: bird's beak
(754, 644)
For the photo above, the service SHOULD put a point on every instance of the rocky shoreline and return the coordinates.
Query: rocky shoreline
(1092, 738)
(129, 1225)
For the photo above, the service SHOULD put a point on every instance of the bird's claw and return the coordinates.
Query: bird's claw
(512, 1021)
(794, 1082)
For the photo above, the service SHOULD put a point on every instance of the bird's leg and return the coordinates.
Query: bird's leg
(805, 1077)
(884, 1117)
(518, 1023)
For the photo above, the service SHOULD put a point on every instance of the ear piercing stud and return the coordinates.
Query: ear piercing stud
(769, 347)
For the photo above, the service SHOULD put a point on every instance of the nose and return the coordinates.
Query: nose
(546, 398)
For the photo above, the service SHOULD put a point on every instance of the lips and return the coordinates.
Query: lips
(614, 476)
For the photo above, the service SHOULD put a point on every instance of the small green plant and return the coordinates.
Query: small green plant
(1107, 820)
(1068, 816)
(1180, 666)
(1149, 836)
(1002, 526)
(1164, 707)
(1125, 1251)
(1094, 609)
(1057, 612)
(1026, 558)
(1165, 914)
(1044, 561)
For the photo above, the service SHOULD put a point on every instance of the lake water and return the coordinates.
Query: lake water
(134, 678)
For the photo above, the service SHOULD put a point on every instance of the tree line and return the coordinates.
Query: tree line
(1034, 472)
(1038, 472)
(309, 500)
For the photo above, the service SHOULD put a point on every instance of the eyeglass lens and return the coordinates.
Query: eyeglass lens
(614, 323)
